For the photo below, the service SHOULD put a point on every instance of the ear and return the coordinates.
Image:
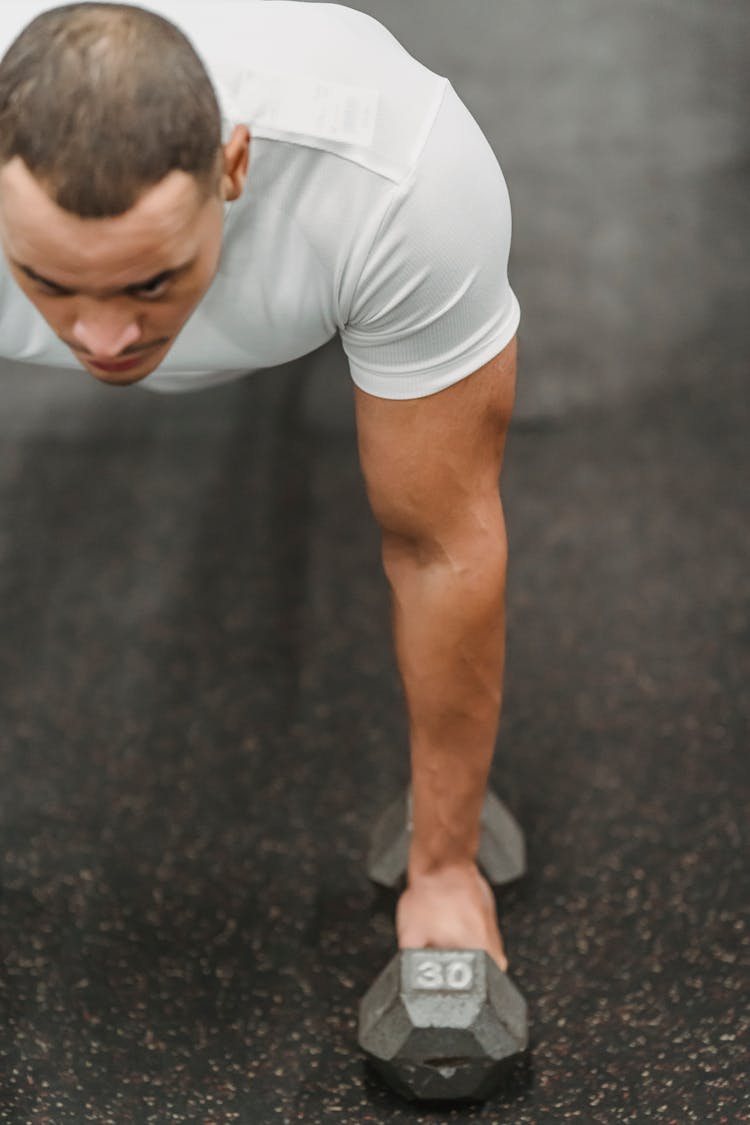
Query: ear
(236, 164)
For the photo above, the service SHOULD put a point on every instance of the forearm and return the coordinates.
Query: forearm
(449, 633)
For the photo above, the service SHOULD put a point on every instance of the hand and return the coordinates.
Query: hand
(450, 909)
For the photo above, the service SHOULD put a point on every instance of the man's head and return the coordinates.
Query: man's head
(113, 175)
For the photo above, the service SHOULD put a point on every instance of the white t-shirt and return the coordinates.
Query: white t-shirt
(374, 208)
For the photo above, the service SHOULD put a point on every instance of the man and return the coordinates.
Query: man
(177, 219)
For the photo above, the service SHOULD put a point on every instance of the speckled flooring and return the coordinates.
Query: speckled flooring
(200, 719)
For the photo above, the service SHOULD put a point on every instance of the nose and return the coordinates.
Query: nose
(106, 332)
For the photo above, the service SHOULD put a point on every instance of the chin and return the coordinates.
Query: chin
(119, 379)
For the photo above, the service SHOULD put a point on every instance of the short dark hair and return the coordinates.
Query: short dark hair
(102, 101)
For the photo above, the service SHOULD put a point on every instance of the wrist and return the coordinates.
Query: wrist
(443, 879)
(425, 866)
(444, 834)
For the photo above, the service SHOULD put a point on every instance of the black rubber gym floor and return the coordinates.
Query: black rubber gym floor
(201, 720)
(200, 716)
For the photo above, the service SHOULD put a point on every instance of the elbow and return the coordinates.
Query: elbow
(473, 553)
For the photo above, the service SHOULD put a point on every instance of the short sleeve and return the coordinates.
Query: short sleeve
(433, 302)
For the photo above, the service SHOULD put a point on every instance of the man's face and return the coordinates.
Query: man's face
(116, 291)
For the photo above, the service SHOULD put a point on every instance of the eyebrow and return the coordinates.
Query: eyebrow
(165, 275)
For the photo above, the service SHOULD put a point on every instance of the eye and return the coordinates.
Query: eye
(154, 289)
(51, 290)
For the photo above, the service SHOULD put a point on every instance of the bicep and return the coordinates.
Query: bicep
(432, 465)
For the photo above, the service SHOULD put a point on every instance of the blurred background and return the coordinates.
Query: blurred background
(199, 711)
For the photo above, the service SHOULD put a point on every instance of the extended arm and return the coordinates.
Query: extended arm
(432, 469)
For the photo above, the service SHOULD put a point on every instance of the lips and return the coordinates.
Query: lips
(114, 367)
(122, 365)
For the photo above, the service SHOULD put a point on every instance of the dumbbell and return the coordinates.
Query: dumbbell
(502, 852)
(443, 1025)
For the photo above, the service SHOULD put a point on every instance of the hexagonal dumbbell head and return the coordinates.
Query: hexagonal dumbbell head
(443, 1025)
(502, 851)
